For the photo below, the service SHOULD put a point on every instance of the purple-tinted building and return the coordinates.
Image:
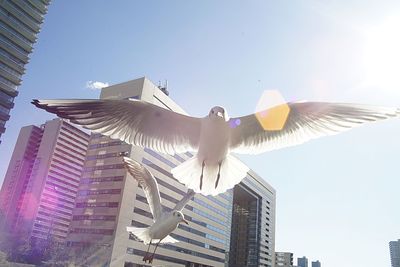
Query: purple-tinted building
(40, 186)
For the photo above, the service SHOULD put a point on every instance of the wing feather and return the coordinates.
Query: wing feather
(148, 183)
(306, 121)
(133, 121)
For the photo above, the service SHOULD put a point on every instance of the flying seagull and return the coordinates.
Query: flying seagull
(213, 169)
(164, 221)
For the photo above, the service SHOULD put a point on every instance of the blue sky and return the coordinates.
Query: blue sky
(337, 197)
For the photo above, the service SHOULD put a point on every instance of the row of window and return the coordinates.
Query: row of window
(103, 167)
(70, 148)
(102, 179)
(103, 156)
(92, 231)
(97, 204)
(113, 143)
(99, 192)
(94, 217)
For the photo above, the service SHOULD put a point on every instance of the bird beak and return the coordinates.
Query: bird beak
(184, 221)
(219, 114)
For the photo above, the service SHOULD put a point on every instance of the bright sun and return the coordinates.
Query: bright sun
(382, 55)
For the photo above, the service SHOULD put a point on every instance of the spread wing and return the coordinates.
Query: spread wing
(133, 121)
(306, 121)
(148, 183)
(182, 203)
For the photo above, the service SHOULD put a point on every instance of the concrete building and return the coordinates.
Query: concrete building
(283, 259)
(395, 253)
(109, 200)
(315, 264)
(20, 22)
(40, 186)
(302, 262)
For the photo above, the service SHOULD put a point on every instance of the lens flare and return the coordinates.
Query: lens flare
(272, 111)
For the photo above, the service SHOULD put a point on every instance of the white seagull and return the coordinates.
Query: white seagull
(213, 169)
(164, 221)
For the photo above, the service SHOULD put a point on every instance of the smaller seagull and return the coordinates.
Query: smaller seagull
(164, 221)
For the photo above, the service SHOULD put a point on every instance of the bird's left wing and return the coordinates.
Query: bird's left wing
(148, 183)
(133, 121)
(305, 121)
(182, 203)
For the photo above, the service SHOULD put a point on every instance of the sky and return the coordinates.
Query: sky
(337, 197)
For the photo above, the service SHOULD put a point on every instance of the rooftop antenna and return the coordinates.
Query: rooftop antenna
(164, 88)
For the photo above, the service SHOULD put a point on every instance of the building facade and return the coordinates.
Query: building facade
(394, 247)
(41, 183)
(20, 22)
(283, 259)
(109, 200)
(315, 264)
(302, 262)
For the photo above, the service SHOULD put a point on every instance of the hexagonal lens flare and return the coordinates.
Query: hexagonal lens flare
(272, 111)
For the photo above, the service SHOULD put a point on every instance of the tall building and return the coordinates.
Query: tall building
(41, 183)
(302, 262)
(315, 264)
(283, 259)
(109, 200)
(20, 22)
(395, 253)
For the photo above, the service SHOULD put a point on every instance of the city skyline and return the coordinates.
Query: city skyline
(308, 50)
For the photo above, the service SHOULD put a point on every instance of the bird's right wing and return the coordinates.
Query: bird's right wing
(148, 183)
(133, 121)
(305, 121)
(182, 203)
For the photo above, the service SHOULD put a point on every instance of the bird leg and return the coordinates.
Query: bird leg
(146, 256)
(152, 256)
(201, 176)
(219, 174)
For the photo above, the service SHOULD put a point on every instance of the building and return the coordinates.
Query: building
(395, 253)
(302, 262)
(41, 182)
(315, 264)
(283, 259)
(109, 200)
(20, 22)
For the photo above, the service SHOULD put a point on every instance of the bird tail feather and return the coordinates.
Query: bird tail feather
(232, 172)
(144, 235)
(141, 233)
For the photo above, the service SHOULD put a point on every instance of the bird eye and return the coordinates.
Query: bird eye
(212, 111)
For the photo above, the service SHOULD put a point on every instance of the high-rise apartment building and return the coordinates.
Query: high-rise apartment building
(41, 183)
(20, 22)
(302, 262)
(315, 264)
(395, 253)
(283, 259)
(109, 200)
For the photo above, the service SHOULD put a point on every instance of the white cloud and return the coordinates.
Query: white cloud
(95, 85)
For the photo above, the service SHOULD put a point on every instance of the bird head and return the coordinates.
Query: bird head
(179, 217)
(218, 113)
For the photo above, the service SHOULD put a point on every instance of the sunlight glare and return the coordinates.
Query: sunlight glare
(382, 54)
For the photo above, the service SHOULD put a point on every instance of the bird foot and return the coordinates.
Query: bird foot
(217, 181)
(151, 259)
(201, 181)
(146, 258)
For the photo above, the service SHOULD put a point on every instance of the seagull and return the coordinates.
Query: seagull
(164, 221)
(214, 138)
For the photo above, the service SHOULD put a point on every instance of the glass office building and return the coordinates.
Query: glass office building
(20, 22)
